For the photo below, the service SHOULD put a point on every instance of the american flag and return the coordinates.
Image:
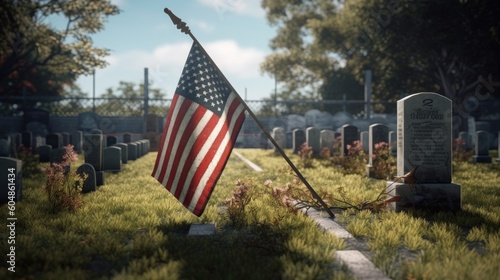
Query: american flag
(201, 129)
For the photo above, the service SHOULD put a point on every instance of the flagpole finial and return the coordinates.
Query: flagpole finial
(177, 21)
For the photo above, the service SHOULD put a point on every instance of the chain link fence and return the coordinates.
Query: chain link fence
(137, 107)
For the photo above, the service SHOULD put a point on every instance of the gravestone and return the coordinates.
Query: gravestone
(482, 149)
(471, 124)
(4, 148)
(111, 140)
(465, 137)
(54, 140)
(12, 178)
(88, 121)
(37, 122)
(27, 140)
(92, 148)
(100, 178)
(132, 151)
(65, 139)
(365, 140)
(298, 138)
(77, 141)
(312, 139)
(44, 152)
(424, 141)
(112, 159)
(154, 140)
(279, 136)
(127, 138)
(349, 136)
(327, 139)
(56, 155)
(393, 143)
(377, 133)
(89, 184)
(139, 148)
(124, 151)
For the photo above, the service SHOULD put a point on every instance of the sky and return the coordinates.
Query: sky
(235, 33)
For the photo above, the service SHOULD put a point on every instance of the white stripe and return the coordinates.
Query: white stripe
(189, 145)
(218, 155)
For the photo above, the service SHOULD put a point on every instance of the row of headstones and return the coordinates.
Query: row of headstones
(377, 133)
(100, 157)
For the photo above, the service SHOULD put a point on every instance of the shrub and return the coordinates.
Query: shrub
(30, 162)
(64, 185)
(237, 203)
(306, 156)
(384, 165)
(355, 161)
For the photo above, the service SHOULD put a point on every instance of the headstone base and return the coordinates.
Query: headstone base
(100, 178)
(426, 196)
(481, 159)
(369, 168)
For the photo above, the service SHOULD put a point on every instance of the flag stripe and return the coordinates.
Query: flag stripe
(214, 141)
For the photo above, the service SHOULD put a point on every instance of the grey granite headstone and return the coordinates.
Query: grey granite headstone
(65, 139)
(471, 125)
(152, 123)
(54, 140)
(124, 151)
(27, 139)
(482, 141)
(350, 134)
(112, 159)
(89, 184)
(365, 140)
(44, 152)
(154, 140)
(12, 178)
(298, 138)
(111, 140)
(327, 139)
(139, 148)
(312, 139)
(77, 141)
(132, 151)
(4, 148)
(127, 138)
(56, 155)
(377, 133)
(393, 143)
(424, 141)
(92, 148)
(466, 138)
(279, 136)
(100, 178)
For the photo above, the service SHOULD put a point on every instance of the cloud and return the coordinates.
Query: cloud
(241, 7)
(166, 61)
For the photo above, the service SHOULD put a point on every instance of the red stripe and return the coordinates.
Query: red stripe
(193, 153)
(175, 129)
(207, 160)
(182, 149)
(208, 189)
(164, 134)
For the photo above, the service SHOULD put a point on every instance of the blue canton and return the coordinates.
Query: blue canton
(201, 83)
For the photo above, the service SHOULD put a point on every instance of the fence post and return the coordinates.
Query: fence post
(146, 100)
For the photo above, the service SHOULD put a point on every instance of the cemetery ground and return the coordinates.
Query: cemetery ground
(132, 228)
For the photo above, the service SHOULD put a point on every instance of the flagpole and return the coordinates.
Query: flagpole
(185, 29)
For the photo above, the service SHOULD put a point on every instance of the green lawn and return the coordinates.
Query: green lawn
(132, 228)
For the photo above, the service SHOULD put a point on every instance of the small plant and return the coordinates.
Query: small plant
(325, 153)
(384, 165)
(30, 162)
(306, 156)
(355, 161)
(237, 203)
(63, 186)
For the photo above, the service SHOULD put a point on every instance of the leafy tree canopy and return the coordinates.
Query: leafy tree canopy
(451, 47)
(37, 58)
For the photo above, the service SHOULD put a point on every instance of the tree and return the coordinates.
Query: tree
(450, 46)
(37, 58)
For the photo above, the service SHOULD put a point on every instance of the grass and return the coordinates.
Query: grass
(132, 228)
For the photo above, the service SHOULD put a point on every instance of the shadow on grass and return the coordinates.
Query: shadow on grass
(252, 253)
